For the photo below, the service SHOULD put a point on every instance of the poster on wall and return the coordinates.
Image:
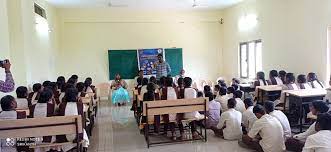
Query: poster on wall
(147, 58)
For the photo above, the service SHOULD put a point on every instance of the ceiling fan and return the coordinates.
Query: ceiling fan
(197, 5)
(110, 4)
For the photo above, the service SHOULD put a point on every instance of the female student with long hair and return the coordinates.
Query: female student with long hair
(150, 95)
(22, 95)
(260, 79)
(34, 96)
(274, 79)
(313, 81)
(302, 82)
(120, 95)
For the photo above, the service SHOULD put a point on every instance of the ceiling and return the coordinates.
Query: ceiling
(145, 4)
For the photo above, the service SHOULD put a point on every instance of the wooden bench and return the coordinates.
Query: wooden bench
(38, 127)
(161, 107)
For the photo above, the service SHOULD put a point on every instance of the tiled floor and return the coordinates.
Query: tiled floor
(116, 131)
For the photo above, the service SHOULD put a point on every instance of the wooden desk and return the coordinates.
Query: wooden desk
(261, 90)
(27, 111)
(302, 97)
(246, 88)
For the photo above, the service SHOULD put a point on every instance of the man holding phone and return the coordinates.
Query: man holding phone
(8, 85)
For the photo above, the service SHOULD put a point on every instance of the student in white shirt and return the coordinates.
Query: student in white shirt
(320, 141)
(230, 91)
(229, 125)
(22, 98)
(143, 89)
(288, 85)
(260, 80)
(240, 106)
(248, 117)
(141, 76)
(280, 116)
(274, 79)
(214, 112)
(269, 129)
(314, 82)
(302, 82)
(223, 99)
(296, 143)
(217, 90)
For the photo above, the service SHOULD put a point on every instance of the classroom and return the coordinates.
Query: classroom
(165, 75)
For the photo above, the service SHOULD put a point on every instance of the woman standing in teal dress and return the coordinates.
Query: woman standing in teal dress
(120, 95)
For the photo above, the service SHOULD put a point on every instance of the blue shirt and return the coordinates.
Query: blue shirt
(162, 69)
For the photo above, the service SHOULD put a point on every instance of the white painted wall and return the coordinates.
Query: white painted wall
(293, 34)
(87, 34)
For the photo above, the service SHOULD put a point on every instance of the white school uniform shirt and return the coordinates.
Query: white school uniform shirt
(223, 101)
(22, 103)
(314, 84)
(271, 132)
(319, 142)
(240, 106)
(33, 99)
(190, 93)
(307, 86)
(262, 83)
(281, 117)
(303, 136)
(279, 81)
(248, 118)
(214, 110)
(143, 90)
(230, 95)
(171, 95)
(232, 120)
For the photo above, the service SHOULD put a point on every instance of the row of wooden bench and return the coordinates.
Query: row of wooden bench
(150, 109)
(51, 126)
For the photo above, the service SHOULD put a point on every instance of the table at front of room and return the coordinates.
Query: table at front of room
(304, 96)
(262, 90)
(246, 88)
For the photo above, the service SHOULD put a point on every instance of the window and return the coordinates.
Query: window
(39, 10)
(250, 55)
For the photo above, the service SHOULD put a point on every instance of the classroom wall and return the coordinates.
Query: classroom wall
(88, 34)
(294, 35)
(30, 49)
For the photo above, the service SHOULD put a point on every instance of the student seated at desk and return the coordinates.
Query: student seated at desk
(260, 80)
(34, 96)
(144, 84)
(296, 143)
(282, 75)
(320, 141)
(214, 111)
(240, 106)
(150, 95)
(235, 81)
(314, 82)
(21, 100)
(8, 106)
(274, 79)
(248, 117)
(266, 134)
(138, 79)
(229, 125)
(280, 116)
(89, 88)
(288, 85)
(223, 99)
(60, 81)
(302, 82)
(56, 93)
(72, 107)
(80, 88)
(169, 93)
(222, 83)
(190, 93)
(206, 89)
(44, 108)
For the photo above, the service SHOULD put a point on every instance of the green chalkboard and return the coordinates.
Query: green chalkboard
(124, 62)
(174, 56)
